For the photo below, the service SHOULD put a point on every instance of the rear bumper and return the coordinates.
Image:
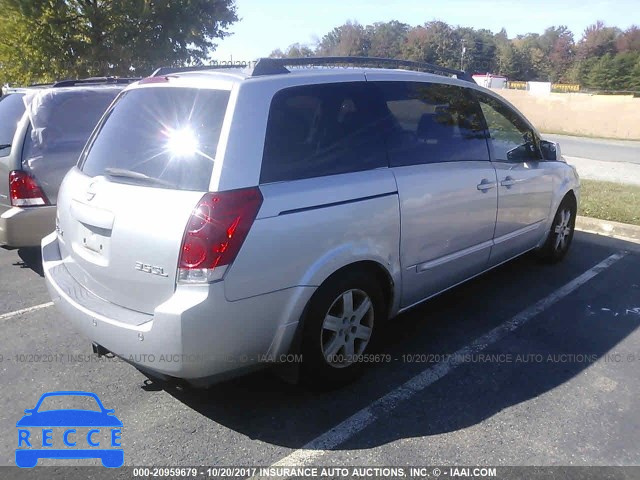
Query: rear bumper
(195, 335)
(25, 227)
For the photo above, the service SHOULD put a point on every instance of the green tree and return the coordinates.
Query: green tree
(635, 76)
(28, 50)
(601, 74)
(509, 62)
(434, 42)
(579, 71)
(597, 40)
(481, 50)
(534, 63)
(295, 50)
(277, 53)
(348, 40)
(629, 40)
(622, 71)
(558, 46)
(55, 38)
(603, 58)
(387, 39)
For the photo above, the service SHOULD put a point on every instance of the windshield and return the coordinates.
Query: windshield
(11, 111)
(161, 137)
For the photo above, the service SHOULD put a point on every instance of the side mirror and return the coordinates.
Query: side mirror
(28, 411)
(523, 153)
(551, 151)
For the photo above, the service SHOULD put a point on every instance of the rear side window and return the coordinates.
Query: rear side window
(327, 129)
(11, 111)
(433, 123)
(160, 137)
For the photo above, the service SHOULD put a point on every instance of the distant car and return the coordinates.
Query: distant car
(71, 419)
(42, 131)
(226, 220)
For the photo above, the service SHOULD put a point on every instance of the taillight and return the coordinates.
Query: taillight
(215, 232)
(24, 191)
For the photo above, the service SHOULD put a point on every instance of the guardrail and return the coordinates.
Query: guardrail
(517, 85)
(565, 87)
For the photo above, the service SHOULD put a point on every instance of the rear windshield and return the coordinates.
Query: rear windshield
(61, 122)
(11, 111)
(159, 137)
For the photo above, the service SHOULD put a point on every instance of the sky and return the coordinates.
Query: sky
(269, 24)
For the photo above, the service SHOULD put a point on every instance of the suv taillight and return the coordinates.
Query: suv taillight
(24, 191)
(215, 232)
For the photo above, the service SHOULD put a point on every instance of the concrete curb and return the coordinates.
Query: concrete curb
(607, 228)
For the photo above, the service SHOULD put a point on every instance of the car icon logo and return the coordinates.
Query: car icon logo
(74, 433)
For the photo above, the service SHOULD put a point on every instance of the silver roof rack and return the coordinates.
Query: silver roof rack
(278, 66)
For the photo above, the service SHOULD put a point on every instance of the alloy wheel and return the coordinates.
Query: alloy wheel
(562, 230)
(347, 328)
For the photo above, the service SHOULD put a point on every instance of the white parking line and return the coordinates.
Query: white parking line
(365, 417)
(7, 316)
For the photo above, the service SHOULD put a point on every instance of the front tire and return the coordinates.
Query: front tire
(340, 327)
(561, 232)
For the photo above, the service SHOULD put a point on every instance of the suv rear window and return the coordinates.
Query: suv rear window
(327, 129)
(61, 122)
(159, 137)
(11, 111)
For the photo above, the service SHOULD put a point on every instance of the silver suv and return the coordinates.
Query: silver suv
(222, 220)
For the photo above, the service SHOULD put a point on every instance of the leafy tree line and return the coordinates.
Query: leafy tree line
(602, 58)
(43, 40)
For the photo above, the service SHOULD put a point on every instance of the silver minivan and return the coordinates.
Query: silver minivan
(219, 221)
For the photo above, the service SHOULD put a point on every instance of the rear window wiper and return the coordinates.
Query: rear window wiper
(124, 173)
(4, 145)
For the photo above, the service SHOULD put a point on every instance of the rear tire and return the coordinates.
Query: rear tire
(561, 232)
(340, 327)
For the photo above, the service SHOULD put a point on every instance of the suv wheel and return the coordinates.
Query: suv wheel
(561, 233)
(340, 326)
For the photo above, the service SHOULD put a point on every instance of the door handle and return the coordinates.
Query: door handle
(485, 185)
(508, 182)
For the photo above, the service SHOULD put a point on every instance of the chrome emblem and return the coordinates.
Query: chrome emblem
(152, 269)
(91, 193)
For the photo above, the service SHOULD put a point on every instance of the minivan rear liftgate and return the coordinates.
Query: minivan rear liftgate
(123, 212)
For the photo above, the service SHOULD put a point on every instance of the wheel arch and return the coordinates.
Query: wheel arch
(570, 194)
(389, 286)
(382, 275)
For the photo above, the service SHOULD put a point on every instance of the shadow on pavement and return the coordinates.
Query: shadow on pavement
(263, 407)
(31, 258)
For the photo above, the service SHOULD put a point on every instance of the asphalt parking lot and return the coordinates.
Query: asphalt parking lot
(526, 365)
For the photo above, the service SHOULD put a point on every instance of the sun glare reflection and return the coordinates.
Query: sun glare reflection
(182, 143)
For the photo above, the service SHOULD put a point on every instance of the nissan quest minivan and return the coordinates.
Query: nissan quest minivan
(220, 219)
